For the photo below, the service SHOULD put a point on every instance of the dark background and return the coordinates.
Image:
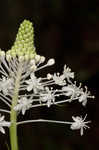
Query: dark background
(68, 31)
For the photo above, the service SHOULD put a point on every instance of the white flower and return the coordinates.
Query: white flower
(48, 97)
(59, 79)
(84, 96)
(34, 84)
(68, 74)
(72, 90)
(23, 105)
(6, 85)
(68, 90)
(3, 123)
(79, 124)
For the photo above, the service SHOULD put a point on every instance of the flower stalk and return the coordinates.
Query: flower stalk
(13, 115)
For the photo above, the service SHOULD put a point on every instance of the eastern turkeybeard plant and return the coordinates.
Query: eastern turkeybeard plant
(21, 88)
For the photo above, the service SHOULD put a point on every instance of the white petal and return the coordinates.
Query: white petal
(18, 107)
(30, 87)
(48, 103)
(81, 98)
(5, 90)
(32, 76)
(69, 93)
(81, 131)
(2, 130)
(28, 81)
(23, 111)
(84, 102)
(1, 118)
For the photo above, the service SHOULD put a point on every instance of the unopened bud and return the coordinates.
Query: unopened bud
(42, 59)
(49, 76)
(37, 58)
(51, 62)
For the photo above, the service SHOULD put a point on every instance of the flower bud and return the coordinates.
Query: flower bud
(51, 62)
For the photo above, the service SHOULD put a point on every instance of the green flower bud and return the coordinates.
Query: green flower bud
(24, 42)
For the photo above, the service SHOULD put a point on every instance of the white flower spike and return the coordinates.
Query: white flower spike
(22, 87)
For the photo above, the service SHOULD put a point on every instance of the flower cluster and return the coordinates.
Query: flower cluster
(19, 81)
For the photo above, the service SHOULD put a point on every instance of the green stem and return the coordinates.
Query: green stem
(13, 115)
